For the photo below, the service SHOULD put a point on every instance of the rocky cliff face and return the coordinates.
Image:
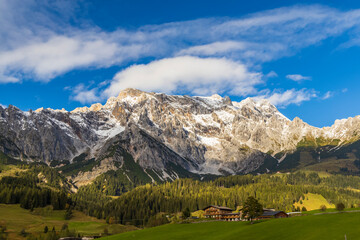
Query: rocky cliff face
(197, 134)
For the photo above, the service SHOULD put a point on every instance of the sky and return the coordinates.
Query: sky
(303, 56)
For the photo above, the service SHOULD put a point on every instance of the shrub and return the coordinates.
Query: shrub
(23, 232)
(303, 209)
(323, 208)
(64, 227)
(186, 213)
(106, 232)
(3, 233)
(157, 220)
(68, 214)
(340, 206)
(111, 220)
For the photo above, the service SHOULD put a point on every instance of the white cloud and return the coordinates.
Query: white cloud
(8, 79)
(272, 74)
(46, 60)
(193, 75)
(213, 48)
(327, 95)
(291, 96)
(39, 44)
(84, 95)
(297, 77)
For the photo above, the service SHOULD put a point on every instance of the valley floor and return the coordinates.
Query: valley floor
(311, 227)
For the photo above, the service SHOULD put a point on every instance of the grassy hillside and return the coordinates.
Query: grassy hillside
(327, 226)
(313, 201)
(16, 219)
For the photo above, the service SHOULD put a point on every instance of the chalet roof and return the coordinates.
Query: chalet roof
(271, 213)
(218, 207)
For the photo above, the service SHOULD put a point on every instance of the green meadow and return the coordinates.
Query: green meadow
(16, 219)
(326, 226)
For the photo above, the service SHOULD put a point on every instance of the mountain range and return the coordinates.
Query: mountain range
(158, 137)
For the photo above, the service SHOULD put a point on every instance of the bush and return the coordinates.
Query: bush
(68, 214)
(323, 208)
(111, 220)
(23, 232)
(3, 233)
(340, 206)
(64, 227)
(106, 232)
(186, 213)
(303, 209)
(157, 220)
(46, 229)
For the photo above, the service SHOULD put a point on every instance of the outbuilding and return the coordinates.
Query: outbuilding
(273, 214)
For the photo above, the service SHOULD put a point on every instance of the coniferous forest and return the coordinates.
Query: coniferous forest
(108, 198)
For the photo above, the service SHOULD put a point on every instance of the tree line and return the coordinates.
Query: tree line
(273, 191)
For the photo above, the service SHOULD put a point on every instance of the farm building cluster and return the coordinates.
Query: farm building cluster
(228, 214)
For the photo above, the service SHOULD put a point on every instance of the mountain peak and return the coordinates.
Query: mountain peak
(129, 92)
(255, 102)
(216, 96)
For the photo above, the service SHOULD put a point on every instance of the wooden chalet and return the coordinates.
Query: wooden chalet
(231, 216)
(225, 213)
(221, 213)
(216, 212)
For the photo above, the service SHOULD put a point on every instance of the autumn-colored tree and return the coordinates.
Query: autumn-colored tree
(111, 220)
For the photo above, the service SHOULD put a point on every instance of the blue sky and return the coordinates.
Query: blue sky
(302, 56)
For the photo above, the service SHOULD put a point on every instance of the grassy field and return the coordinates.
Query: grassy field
(313, 201)
(328, 226)
(17, 219)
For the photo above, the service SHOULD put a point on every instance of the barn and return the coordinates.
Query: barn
(273, 214)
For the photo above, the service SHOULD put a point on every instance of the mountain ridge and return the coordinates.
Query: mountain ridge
(207, 135)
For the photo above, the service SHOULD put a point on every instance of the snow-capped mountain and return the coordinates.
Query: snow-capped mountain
(197, 134)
